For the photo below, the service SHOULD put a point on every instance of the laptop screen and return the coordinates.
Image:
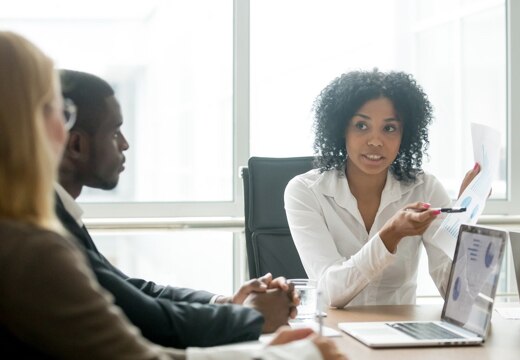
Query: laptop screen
(474, 278)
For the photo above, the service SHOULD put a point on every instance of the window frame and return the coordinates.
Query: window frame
(224, 209)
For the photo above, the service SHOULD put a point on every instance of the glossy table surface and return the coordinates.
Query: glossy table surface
(502, 342)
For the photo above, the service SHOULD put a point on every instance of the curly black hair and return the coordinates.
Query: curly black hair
(342, 98)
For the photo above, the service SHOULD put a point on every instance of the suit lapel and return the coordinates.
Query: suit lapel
(80, 233)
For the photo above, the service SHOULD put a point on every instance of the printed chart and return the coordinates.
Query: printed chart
(486, 145)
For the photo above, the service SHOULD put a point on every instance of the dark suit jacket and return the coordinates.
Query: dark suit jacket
(166, 315)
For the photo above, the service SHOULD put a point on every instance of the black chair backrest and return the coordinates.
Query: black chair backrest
(269, 245)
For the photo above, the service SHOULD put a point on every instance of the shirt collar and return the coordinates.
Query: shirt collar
(333, 183)
(70, 204)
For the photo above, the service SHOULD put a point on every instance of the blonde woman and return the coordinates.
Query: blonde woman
(50, 302)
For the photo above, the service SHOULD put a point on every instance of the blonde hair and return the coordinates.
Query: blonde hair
(27, 164)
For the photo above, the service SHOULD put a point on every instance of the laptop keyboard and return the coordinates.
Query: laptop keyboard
(425, 331)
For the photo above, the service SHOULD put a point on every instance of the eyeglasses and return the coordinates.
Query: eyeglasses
(69, 113)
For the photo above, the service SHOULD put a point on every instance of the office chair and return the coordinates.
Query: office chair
(269, 245)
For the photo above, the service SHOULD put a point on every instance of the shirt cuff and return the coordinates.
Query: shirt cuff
(214, 298)
(301, 349)
(373, 258)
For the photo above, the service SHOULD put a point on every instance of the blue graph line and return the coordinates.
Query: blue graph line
(465, 203)
(474, 212)
(453, 229)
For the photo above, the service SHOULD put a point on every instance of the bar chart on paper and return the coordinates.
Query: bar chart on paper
(486, 143)
(472, 200)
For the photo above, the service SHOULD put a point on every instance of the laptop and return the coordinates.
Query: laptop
(468, 305)
(515, 251)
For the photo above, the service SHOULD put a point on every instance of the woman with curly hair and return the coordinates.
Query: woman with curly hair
(359, 219)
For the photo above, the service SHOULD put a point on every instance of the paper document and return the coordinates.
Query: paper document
(326, 331)
(486, 151)
(512, 313)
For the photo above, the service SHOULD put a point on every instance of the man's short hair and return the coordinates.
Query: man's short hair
(88, 92)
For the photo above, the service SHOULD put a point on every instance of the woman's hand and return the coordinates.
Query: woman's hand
(285, 335)
(327, 347)
(470, 175)
(412, 220)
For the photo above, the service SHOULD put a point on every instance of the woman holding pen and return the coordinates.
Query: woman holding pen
(359, 219)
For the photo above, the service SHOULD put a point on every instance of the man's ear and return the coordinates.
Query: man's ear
(78, 146)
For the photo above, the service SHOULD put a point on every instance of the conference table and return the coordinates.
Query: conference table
(502, 343)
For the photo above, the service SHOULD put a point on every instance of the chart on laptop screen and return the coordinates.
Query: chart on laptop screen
(474, 280)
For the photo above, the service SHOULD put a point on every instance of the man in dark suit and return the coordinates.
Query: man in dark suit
(166, 315)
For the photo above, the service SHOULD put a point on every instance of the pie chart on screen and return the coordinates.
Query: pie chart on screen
(490, 255)
(456, 289)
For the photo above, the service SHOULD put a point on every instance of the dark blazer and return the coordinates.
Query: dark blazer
(166, 315)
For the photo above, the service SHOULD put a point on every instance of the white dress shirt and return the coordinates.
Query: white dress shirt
(70, 204)
(352, 266)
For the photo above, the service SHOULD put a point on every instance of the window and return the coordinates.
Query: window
(171, 65)
(162, 257)
(181, 70)
(455, 49)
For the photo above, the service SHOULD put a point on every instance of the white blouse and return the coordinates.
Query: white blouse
(354, 267)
